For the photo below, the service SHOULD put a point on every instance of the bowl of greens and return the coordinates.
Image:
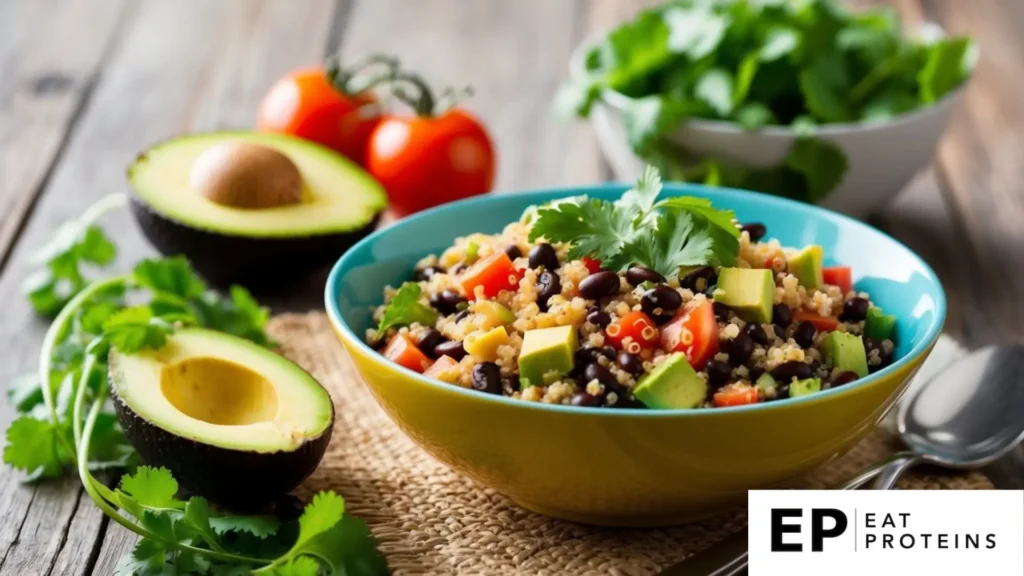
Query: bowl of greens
(802, 99)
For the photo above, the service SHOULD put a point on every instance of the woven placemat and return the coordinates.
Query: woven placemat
(430, 520)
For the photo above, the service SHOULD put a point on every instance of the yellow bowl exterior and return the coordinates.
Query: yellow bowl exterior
(626, 469)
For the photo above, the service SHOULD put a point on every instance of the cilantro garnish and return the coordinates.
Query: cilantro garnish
(405, 308)
(636, 229)
(54, 432)
(759, 63)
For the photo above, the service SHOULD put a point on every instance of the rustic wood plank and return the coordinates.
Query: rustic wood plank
(83, 540)
(190, 65)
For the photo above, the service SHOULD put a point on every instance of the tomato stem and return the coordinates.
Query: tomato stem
(355, 79)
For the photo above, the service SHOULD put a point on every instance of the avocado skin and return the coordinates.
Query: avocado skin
(236, 479)
(251, 261)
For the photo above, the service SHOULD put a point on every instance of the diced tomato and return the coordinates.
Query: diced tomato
(840, 276)
(403, 351)
(440, 366)
(736, 395)
(821, 323)
(593, 265)
(635, 325)
(694, 332)
(494, 273)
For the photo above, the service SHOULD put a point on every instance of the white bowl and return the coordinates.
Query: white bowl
(883, 156)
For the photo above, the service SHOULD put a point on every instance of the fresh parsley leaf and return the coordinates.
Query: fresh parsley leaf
(152, 488)
(405, 308)
(31, 446)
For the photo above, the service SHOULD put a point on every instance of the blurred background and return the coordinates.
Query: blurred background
(85, 85)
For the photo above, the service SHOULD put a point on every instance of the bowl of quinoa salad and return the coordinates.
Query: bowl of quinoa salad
(634, 355)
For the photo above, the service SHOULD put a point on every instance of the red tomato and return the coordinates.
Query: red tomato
(424, 161)
(635, 325)
(694, 332)
(593, 265)
(736, 395)
(495, 273)
(305, 104)
(403, 351)
(840, 276)
(821, 323)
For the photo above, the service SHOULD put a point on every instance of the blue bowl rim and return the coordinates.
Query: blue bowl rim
(344, 263)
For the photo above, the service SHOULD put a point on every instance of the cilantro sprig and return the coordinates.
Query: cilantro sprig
(764, 63)
(636, 229)
(405, 308)
(66, 420)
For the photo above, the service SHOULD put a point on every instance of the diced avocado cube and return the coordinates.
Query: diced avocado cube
(767, 384)
(672, 384)
(804, 387)
(750, 292)
(806, 266)
(845, 352)
(485, 345)
(546, 350)
(879, 325)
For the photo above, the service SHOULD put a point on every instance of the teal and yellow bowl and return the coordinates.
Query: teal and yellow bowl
(634, 467)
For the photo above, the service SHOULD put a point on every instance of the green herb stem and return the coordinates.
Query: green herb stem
(83, 384)
(101, 207)
(58, 330)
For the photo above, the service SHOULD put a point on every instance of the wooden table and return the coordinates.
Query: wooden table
(86, 84)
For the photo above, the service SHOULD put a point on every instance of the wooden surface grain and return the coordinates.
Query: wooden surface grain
(86, 84)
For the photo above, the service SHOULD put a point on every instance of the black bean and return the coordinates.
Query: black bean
(609, 352)
(721, 311)
(631, 363)
(425, 273)
(447, 301)
(599, 285)
(543, 256)
(586, 355)
(599, 318)
(718, 373)
(513, 382)
(584, 399)
(756, 231)
(804, 334)
(855, 310)
(428, 340)
(637, 275)
(660, 301)
(756, 333)
(461, 315)
(626, 400)
(595, 371)
(781, 391)
(780, 332)
(487, 378)
(781, 315)
(843, 378)
(700, 279)
(872, 344)
(793, 369)
(548, 285)
(453, 349)
(739, 348)
(513, 252)
(756, 373)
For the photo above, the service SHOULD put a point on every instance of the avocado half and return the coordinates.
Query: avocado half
(234, 422)
(339, 204)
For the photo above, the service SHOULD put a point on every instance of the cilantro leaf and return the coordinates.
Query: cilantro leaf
(31, 446)
(715, 88)
(594, 228)
(173, 275)
(640, 199)
(945, 68)
(674, 244)
(719, 224)
(197, 516)
(25, 392)
(133, 329)
(348, 548)
(822, 164)
(405, 308)
(146, 558)
(152, 487)
(259, 526)
(301, 566)
(696, 32)
(319, 516)
(647, 118)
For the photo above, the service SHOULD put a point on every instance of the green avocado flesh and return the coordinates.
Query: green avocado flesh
(879, 325)
(846, 352)
(672, 384)
(806, 266)
(546, 351)
(219, 390)
(337, 195)
(750, 292)
(804, 387)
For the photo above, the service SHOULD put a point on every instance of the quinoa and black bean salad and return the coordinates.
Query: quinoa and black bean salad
(633, 303)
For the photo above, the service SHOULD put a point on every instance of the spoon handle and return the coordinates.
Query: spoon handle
(895, 468)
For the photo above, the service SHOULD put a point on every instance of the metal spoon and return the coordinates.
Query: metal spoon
(966, 417)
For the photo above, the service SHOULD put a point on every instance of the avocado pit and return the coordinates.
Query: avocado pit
(245, 175)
